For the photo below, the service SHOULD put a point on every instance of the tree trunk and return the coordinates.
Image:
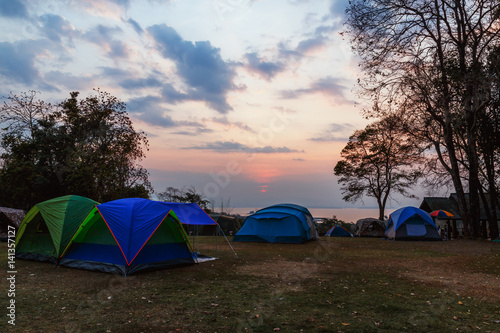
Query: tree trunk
(455, 176)
(475, 211)
(381, 211)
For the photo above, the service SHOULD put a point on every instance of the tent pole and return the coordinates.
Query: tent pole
(227, 240)
(216, 239)
(196, 237)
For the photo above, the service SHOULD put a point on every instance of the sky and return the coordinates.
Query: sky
(249, 101)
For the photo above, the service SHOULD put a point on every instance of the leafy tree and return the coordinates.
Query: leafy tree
(102, 148)
(377, 162)
(428, 57)
(87, 147)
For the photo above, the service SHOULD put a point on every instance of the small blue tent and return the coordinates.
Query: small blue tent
(129, 235)
(338, 231)
(282, 223)
(411, 223)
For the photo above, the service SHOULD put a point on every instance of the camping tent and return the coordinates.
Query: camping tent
(338, 231)
(230, 225)
(10, 217)
(129, 235)
(282, 223)
(369, 227)
(48, 227)
(411, 223)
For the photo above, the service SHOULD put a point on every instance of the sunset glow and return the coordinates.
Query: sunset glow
(232, 94)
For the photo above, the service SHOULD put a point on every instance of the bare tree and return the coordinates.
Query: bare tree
(378, 162)
(20, 113)
(427, 57)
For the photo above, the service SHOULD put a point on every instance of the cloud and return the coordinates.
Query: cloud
(18, 62)
(269, 149)
(149, 109)
(200, 66)
(13, 8)
(69, 81)
(335, 133)
(156, 118)
(114, 72)
(172, 96)
(224, 121)
(138, 83)
(328, 86)
(102, 8)
(236, 147)
(123, 3)
(338, 7)
(299, 159)
(103, 36)
(319, 39)
(137, 27)
(311, 44)
(264, 69)
(198, 129)
(55, 27)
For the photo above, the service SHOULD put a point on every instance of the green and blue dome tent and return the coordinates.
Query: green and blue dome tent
(49, 226)
(338, 231)
(129, 235)
(282, 223)
(411, 223)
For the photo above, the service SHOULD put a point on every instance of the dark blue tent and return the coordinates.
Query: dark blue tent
(129, 235)
(282, 223)
(411, 223)
(338, 231)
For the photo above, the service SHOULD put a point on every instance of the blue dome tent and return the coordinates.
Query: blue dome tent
(282, 223)
(411, 223)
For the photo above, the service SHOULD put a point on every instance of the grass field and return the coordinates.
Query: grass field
(330, 285)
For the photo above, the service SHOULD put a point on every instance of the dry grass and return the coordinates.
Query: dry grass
(332, 285)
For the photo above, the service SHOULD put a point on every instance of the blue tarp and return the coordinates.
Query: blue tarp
(283, 223)
(189, 213)
(411, 223)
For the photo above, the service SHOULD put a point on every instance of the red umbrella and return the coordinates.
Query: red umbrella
(441, 213)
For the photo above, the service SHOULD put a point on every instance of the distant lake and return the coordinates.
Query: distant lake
(344, 214)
